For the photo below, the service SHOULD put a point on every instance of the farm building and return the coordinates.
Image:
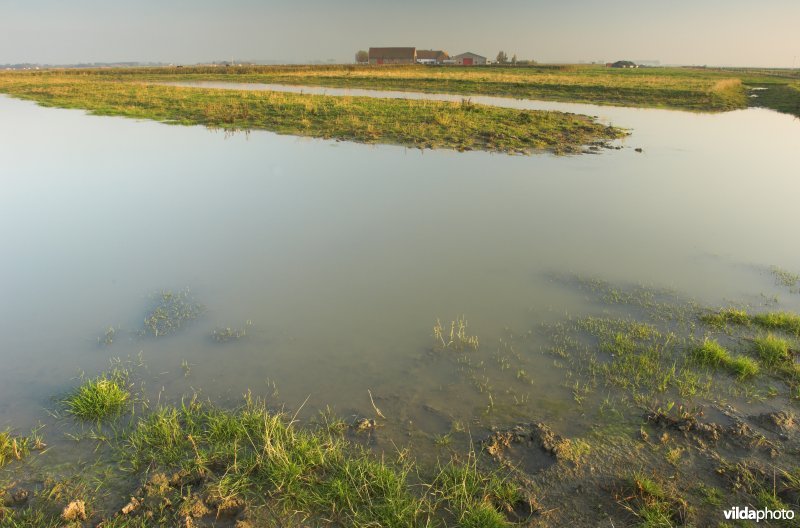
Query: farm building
(623, 64)
(469, 59)
(392, 55)
(432, 56)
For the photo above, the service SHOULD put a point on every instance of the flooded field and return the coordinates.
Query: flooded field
(317, 270)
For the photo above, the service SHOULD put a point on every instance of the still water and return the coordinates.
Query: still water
(344, 255)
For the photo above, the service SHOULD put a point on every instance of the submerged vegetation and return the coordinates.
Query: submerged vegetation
(420, 124)
(171, 312)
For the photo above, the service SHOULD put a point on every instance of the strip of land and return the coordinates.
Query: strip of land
(420, 124)
(695, 89)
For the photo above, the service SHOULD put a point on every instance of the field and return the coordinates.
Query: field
(701, 89)
(419, 124)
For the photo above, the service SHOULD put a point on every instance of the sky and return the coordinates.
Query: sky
(710, 32)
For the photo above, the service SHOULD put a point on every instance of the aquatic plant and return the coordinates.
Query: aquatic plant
(171, 312)
(227, 334)
(456, 339)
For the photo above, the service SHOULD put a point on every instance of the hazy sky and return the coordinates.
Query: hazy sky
(713, 32)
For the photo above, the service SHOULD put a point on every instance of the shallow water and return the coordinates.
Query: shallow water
(344, 255)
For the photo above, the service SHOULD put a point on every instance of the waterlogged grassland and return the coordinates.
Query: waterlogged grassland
(678, 405)
(680, 88)
(421, 124)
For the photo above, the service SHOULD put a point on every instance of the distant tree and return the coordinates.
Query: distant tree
(502, 58)
(362, 56)
(514, 59)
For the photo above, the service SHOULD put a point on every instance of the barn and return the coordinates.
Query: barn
(392, 55)
(432, 56)
(469, 59)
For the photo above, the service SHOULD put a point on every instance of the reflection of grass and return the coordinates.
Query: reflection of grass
(422, 124)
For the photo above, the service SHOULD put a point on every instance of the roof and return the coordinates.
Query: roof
(469, 54)
(432, 54)
(392, 53)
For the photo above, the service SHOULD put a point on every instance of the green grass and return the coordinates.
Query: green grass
(711, 354)
(12, 447)
(684, 88)
(701, 89)
(784, 321)
(251, 452)
(725, 317)
(772, 350)
(651, 503)
(98, 399)
(420, 124)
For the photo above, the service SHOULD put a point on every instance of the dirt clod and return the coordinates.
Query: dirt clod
(75, 511)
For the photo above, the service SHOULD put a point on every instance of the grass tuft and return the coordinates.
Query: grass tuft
(772, 350)
(712, 354)
(784, 321)
(100, 398)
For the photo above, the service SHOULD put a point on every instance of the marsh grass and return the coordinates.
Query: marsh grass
(457, 338)
(171, 311)
(713, 355)
(413, 123)
(100, 398)
(250, 454)
(726, 316)
(783, 321)
(685, 88)
(652, 503)
(773, 351)
(12, 447)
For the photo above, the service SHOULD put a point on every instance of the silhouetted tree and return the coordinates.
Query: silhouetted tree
(362, 56)
(502, 58)
(514, 59)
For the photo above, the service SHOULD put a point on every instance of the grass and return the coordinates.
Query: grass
(698, 89)
(421, 124)
(199, 461)
(98, 399)
(684, 88)
(12, 447)
(772, 350)
(651, 503)
(784, 321)
(711, 354)
(725, 317)
(250, 453)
